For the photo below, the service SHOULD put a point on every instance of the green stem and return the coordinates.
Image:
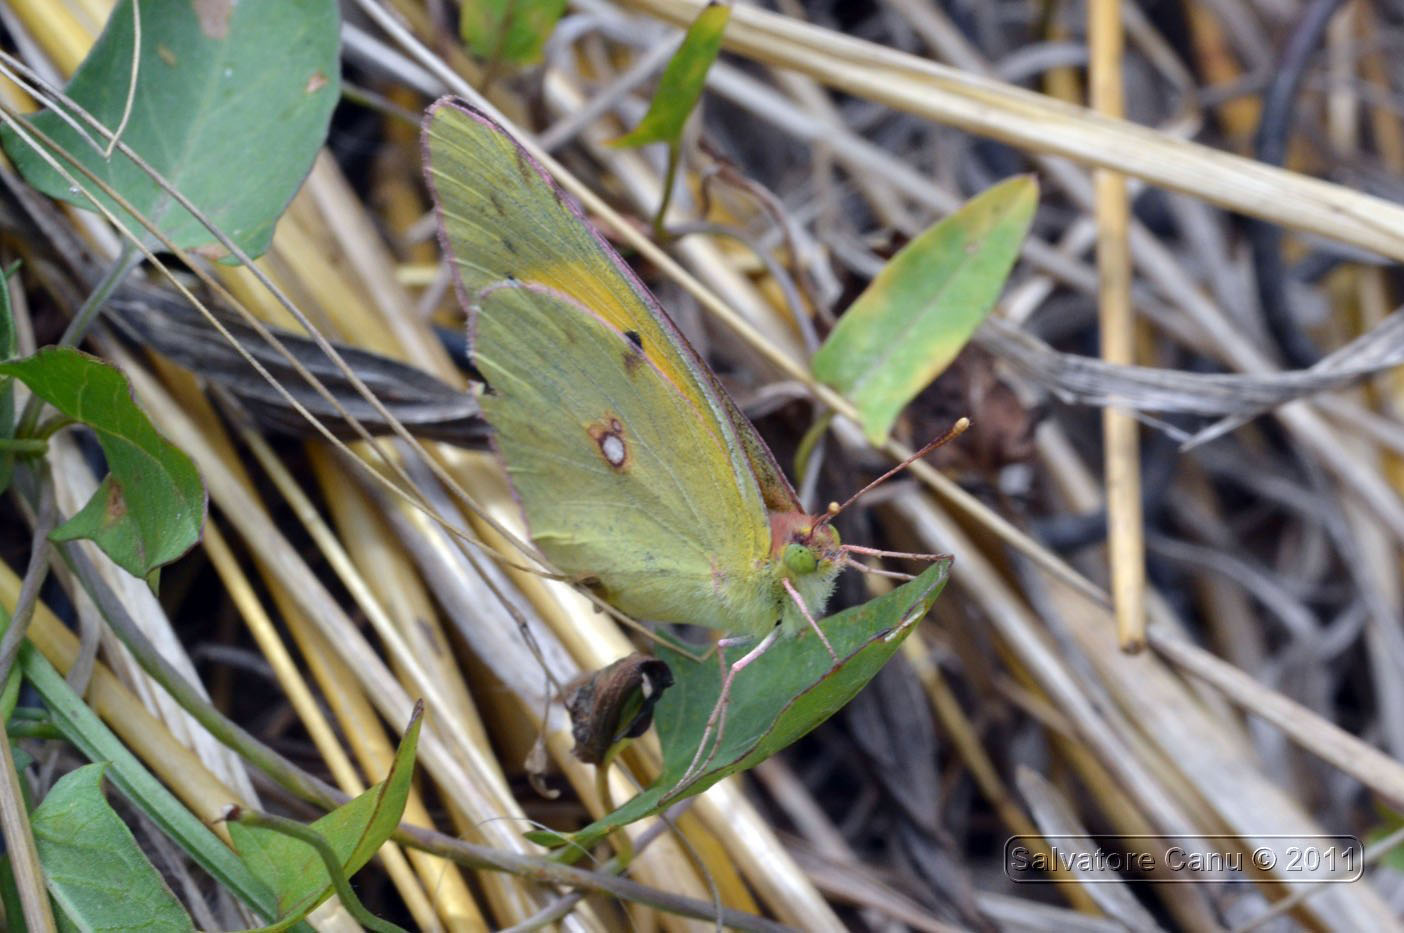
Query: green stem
(33, 729)
(221, 727)
(9, 699)
(669, 176)
(23, 445)
(335, 870)
(623, 845)
(117, 273)
(54, 425)
(46, 519)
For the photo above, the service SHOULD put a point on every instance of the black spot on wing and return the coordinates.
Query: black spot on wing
(633, 354)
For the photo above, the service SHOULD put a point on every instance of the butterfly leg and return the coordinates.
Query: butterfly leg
(799, 601)
(869, 568)
(874, 552)
(716, 722)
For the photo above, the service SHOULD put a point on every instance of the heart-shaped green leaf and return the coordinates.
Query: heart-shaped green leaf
(232, 102)
(151, 506)
(94, 868)
(80, 726)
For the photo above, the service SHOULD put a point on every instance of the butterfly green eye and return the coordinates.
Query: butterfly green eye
(800, 559)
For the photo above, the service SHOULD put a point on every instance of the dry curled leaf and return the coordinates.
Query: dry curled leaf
(614, 704)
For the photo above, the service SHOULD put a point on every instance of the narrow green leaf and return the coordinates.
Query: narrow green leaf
(9, 699)
(94, 868)
(355, 831)
(232, 103)
(151, 506)
(7, 383)
(82, 727)
(921, 309)
(7, 430)
(681, 83)
(785, 694)
(9, 892)
(7, 314)
(511, 32)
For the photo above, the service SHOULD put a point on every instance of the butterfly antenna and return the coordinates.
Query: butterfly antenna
(955, 430)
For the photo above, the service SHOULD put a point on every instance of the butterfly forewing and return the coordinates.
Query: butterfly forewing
(502, 217)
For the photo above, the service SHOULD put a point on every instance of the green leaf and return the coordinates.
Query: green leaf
(921, 309)
(682, 81)
(21, 758)
(151, 506)
(232, 103)
(7, 314)
(94, 868)
(9, 699)
(508, 31)
(9, 892)
(82, 727)
(1389, 822)
(355, 831)
(775, 701)
(7, 384)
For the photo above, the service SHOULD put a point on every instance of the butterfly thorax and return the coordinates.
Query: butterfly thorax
(807, 553)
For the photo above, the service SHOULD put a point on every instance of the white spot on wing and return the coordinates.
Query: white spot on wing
(613, 449)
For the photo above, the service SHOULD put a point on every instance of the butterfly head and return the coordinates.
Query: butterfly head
(804, 545)
(806, 559)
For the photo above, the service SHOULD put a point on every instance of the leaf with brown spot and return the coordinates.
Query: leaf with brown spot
(222, 109)
(214, 17)
(151, 506)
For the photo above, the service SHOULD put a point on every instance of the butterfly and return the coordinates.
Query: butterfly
(636, 472)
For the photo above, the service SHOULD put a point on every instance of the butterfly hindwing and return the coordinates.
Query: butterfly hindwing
(622, 478)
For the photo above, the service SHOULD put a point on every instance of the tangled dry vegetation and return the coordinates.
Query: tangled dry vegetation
(1270, 697)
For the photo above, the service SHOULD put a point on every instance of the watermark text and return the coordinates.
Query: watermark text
(1051, 859)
